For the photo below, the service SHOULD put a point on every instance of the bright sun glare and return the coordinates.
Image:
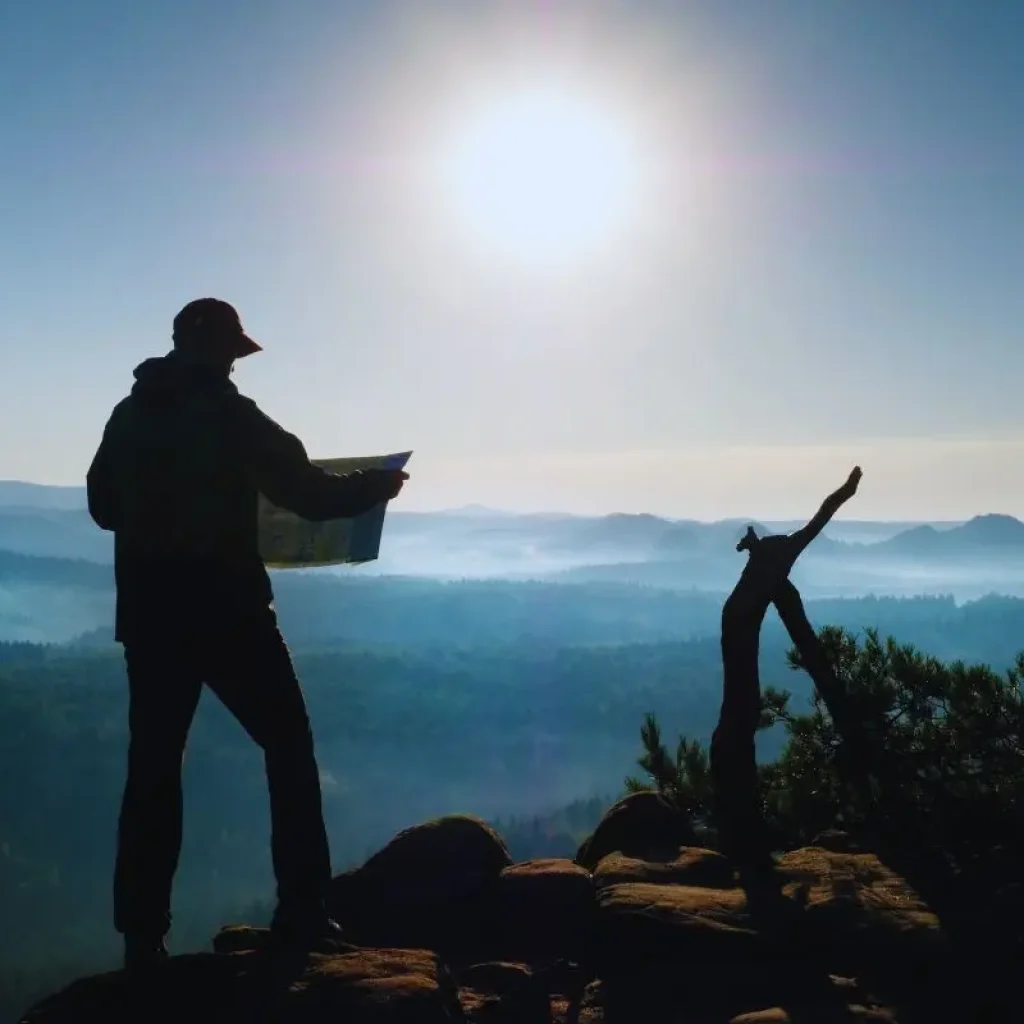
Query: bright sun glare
(541, 174)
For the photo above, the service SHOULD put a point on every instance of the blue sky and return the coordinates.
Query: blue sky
(828, 272)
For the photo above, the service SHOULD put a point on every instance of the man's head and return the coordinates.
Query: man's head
(210, 331)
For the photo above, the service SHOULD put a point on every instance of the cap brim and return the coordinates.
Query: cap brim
(246, 347)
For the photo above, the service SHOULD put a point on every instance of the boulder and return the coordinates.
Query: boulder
(584, 1007)
(373, 986)
(849, 1013)
(859, 910)
(199, 988)
(240, 938)
(453, 846)
(431, 887)
(545, 911)
(660, 931)
(243, 938)
(641, 825)
(503, 992)
(837, 841)
(641, 922)
(691, 865)
(844, 910)
(726, 994)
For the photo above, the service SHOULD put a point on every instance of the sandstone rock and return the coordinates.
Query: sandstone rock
(199, 988)
(240, 938)
(375, 986)
(452, 846)
(724, 994)
(545, 911)
(640, 922)
(691, 865)
(858, 907)
(843, 909)
(243, 938)
(503, 992)
(585, 1008)
(432, 887)
(660, 932)
(848, 1014)
(640, 825)
(837, 841)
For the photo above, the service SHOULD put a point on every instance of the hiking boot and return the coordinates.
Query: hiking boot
(144, 952)
(304, 930)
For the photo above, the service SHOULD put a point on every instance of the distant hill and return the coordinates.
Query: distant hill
(986, 534)
(16, 568)
(17, 493)
(479, 542)
(54, 533)
(52, 600)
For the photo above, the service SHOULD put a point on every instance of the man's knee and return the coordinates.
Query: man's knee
(154, 763)
(290, 739)
(282, 726)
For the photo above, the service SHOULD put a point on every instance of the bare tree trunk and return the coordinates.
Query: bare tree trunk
(765, 580)
(733, 756)
(854, 764)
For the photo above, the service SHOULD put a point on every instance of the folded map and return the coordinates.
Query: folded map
(288, 541)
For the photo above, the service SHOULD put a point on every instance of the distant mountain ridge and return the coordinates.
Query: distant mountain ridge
(53, 522)
(992, 530)
(27, 496)
(19, 493)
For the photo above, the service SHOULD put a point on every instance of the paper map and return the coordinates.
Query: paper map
(289, 542)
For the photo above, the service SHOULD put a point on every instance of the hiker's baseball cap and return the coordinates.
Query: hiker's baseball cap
(212, 321)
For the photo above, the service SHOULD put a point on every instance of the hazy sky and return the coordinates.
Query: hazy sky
(820, 261)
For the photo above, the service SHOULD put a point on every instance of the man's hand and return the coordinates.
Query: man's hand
(390, 483)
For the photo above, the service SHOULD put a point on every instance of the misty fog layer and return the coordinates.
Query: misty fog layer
(490, 663)
(56, 582)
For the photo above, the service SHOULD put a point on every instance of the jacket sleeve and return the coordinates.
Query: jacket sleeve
(286, 477)
(99, 483)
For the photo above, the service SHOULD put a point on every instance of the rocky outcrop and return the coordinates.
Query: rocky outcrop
(363, 985)
(440, 926)
(544, 911)
(846, 911)
(641, 823)
(432, 887)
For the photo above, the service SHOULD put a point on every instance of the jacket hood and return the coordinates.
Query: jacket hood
(168, 378)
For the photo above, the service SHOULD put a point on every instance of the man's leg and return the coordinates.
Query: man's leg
(163, 695)
(253, 676)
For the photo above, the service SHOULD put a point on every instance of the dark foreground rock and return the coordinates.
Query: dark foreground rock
(365, 985)
(442, 927)
(432, 887)
(544, 911)
(641, 824)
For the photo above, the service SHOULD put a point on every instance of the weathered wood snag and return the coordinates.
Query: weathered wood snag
(765, 580)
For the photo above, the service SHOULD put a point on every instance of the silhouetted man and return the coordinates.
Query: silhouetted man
(176, 478)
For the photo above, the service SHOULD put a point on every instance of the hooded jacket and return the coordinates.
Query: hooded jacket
(177, 478)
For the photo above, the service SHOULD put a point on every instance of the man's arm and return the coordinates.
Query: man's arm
(99, 485)
(830, 506)
(287, 478)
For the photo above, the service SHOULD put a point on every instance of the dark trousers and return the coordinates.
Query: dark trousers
(251, 672)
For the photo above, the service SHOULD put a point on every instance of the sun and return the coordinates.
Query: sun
(543, 174)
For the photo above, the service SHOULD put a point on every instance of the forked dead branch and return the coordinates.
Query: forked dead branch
(765, 581)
